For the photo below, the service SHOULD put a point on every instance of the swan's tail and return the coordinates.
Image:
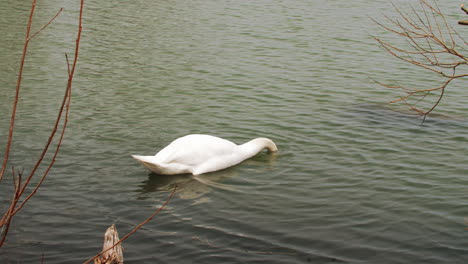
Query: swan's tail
(148, 163)
(142, 158)
(151, 163)
(138, 157)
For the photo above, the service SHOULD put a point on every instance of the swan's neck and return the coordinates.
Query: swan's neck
(254, 146)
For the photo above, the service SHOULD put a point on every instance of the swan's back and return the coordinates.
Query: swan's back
(195, 149)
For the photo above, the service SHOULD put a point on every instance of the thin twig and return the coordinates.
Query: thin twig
(46, 25)
(17, 91)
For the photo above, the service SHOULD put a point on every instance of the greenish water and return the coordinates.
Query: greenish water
(353, 182)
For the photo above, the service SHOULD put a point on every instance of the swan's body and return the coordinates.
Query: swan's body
(198, 154)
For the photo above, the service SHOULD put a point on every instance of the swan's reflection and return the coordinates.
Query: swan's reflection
(188, 186)
(195, 187)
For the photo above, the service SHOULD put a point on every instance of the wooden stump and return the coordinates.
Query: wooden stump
(113, 255)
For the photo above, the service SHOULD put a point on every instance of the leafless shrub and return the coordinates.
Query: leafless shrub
(20, 195)
(433, 45)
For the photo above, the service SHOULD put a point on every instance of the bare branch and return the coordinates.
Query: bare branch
(20, 78)
(64, 108)
(432, 45)
(8, 216)
(62, 118)
(17, 93)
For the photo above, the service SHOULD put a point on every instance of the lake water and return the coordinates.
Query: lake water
(354, 181)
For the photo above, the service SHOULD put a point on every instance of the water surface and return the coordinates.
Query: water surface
(354, 181)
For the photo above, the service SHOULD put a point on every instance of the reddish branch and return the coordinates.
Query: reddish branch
(64, 106)
(62, 118)
(432, 44)
(18, 86)
(7, 217)
(28, 38)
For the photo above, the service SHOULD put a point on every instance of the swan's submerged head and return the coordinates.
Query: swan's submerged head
(265, 143)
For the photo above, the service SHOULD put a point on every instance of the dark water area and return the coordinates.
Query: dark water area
(354, 181)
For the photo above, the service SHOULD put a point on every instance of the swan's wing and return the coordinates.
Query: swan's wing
(195, 149)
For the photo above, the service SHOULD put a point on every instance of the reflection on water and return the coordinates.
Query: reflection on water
(188, 187)
(194, 187)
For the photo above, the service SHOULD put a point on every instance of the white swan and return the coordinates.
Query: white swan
(198, 154)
